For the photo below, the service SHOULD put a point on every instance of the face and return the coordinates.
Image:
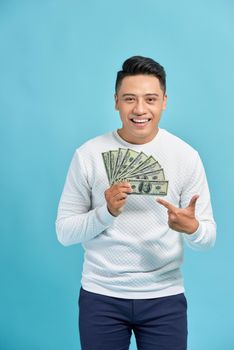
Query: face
(140, 102)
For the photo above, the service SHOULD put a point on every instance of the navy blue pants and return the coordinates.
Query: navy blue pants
(106, 323)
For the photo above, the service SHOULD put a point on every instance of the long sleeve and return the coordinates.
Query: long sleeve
(76, 222)
(134, 255)
(205, 236)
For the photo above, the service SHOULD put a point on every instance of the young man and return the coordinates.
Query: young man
(133, 230)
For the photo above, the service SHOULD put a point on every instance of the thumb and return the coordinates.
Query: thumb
(193, 201)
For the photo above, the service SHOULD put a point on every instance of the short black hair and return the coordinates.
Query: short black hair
(141, 65)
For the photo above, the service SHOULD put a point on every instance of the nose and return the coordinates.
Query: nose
(139, 107)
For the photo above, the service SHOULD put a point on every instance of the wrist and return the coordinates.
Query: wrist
(113, 213)
(194, 227)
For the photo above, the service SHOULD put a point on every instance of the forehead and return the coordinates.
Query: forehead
(138, 84)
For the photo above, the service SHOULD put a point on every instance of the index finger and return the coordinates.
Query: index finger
(125, 183)
(166, 204)
(123, 186)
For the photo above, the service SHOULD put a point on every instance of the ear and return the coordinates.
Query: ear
(164, 102)
(116, 102)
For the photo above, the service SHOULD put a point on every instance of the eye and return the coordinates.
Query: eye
(129, 99)
(151, 99)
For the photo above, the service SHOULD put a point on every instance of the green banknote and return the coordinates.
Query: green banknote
(149, 187)
(120, 157)
(130, 156)
(157, 175)
(143, 172)
(141, 158)
(150, 164)
(113, 160)
(106, 160)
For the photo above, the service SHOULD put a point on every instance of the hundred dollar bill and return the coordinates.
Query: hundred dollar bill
(120, 157)
(106, 160)
(157, 175)
(128, 159)
(113, 159)
(153, 165)
(149, 187)
(148, 162)
(141, 158)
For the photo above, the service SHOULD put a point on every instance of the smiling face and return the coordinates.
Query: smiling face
(140, 101)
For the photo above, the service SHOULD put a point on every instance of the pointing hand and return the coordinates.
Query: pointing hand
(182, 219)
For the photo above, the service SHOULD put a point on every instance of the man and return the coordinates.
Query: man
(131, 279)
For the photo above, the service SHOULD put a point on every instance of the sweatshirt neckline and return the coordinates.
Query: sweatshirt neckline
(128, 144)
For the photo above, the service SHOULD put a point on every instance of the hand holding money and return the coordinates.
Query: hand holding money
(143, 172)
(116, 197)
(182, 219)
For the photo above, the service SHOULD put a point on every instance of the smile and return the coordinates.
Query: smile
(140, 121)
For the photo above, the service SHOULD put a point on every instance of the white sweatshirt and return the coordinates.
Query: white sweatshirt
(135, 255)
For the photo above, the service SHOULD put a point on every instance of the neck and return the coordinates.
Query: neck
(136, 140)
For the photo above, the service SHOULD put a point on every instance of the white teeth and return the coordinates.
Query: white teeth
(140, 120)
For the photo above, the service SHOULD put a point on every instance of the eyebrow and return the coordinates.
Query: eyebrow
(149, 94)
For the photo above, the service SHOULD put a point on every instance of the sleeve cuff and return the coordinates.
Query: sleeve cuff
(193, 236)
(104, 216)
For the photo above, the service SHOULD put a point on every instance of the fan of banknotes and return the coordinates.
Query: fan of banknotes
(143, 172)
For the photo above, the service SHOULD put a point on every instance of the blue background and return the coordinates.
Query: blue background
(58, 64)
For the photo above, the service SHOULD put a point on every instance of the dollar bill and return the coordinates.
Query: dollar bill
(130, 156)
(157, 175)
(152, 165)
(149, 187)
(113, 159)
(106, 160)
(144, 173)
(148, 162)
(141, 158)
(120, 157)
